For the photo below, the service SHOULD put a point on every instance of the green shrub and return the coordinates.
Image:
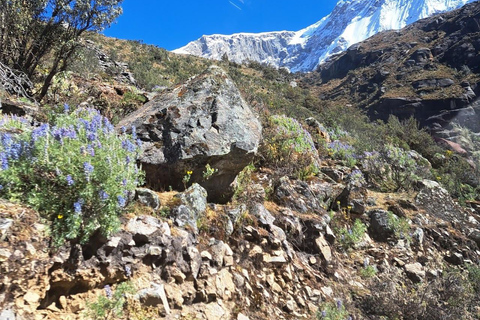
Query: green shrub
(289, 148)
(78, 172)
(349, 237)
(111, 305)
(331, 311)
(392, 169)
(400, 226)
(368, 272)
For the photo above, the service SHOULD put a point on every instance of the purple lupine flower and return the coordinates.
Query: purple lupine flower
(128, 145)
(124, 129)
(91, 136)
(324, 314)
(134, 133)
(121, 201)
(70, 181)
(77, 206)
(66, 108)
(103, 195)
(87, 169)
(139, 143)
(128, 271)
(91, 150)
(1, 187)
(40, 132)
(4, 160)
(339, 304)
(127, 159)
(124, 182)
(108, 291)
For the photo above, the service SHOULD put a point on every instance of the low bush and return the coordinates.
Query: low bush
(391, 169)
(333, 311)
(77, 172)
(288, 148)
(348, 237)
(112, 304)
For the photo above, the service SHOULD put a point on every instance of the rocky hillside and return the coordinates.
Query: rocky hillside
(267, 195)
(428, 71)
(305, 235)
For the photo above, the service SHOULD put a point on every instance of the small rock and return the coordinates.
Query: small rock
(322, 247)
(7, 314)
(290, 306)
(154, 296)
(5, 225)
(455, 258)
(415, 272)
(327, 291)
(206, 255)
(241, 316)
(63, 302)
(312, 260)
(262, 214)
(148, 198)
(113, 242)
(418, 236)
(5, 254)
(154, 251)
(274, 260)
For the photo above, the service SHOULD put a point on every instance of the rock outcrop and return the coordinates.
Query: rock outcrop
(204, 121)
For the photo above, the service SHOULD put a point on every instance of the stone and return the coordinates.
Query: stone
(113, 242)
(174, 295)
(380, 228)
(296, 195)
(418, 236)
(204, 121)
(437, 202)
(274, 260)
(455, 258)
(241, 316)
(154, 296)
(142, 227)
(262, 214)
(193, 203)
(206, 255)
(5, 225)
(415, 272)
(323, 248)
(5, 254)
(224, 284)
(219, 250)
(148, 198)
(154, 251)
(7, 314)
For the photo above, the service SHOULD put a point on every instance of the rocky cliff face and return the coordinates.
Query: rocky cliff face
(428, 70)
(350, 22)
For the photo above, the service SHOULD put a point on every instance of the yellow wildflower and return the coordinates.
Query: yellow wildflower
(60, 216)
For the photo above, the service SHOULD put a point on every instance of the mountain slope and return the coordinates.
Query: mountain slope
(351, 21)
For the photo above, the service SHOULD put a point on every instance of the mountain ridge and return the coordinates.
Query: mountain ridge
(350, 22)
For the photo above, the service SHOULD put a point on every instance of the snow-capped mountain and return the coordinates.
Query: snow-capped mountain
(351, 21)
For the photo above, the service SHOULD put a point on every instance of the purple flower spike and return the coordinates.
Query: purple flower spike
(108, 291)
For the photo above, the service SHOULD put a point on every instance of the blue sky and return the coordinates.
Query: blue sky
(172, 24)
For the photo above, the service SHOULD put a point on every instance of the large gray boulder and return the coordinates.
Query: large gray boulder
(204, 121)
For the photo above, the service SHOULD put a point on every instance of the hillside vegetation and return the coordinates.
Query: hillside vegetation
(335, 213)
